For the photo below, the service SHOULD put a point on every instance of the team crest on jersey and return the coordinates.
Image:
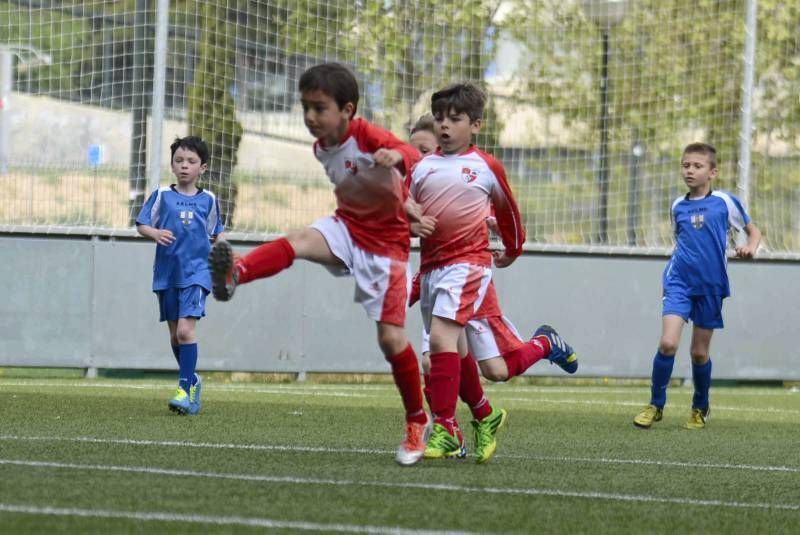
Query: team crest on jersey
(697, 221)
(187, 216)
(350, 167)
(468, 174)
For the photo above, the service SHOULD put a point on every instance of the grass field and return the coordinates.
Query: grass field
(106, 456)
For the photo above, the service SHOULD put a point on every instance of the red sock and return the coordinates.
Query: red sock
(265, 260)
(426, 389)
(526, 355)
(445, 378)
(405, 369)
(471, 390)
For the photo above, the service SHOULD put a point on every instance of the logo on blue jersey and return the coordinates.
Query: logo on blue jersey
(187, 216)
(697, 221)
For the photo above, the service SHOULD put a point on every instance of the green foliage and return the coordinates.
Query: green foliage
(687, 75)
(211, 108)
(403, 50)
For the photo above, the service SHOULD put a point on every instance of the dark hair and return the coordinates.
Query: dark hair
(461, 98)
(423, 124)
(705, 149)
(192, 143)
(333, 79)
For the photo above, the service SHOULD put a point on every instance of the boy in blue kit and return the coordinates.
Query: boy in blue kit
(696, 280)
(182, 219)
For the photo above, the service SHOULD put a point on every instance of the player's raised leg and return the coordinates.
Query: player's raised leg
(561, 353)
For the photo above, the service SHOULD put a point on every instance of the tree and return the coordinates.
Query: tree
(211, 108)
(402, 51)
(666, 78)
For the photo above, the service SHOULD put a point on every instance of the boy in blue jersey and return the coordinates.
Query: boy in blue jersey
(182, 219)
(695, 280)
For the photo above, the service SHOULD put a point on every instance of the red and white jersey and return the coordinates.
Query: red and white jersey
(370, 199)
(460, 190)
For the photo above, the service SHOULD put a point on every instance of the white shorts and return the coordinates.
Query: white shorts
(453, 292)
(382, 283)
(487, 338)
(489, 335)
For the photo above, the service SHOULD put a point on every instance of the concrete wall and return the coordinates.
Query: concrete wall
(86, 302)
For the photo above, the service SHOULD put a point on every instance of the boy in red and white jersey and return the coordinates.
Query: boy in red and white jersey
(367, 237)
(458, 186)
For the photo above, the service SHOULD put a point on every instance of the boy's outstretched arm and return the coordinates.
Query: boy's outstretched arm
(748, 250)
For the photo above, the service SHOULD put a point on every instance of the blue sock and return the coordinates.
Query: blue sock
(662, 371)
(176, 351)
(188, 363)
(701, 375)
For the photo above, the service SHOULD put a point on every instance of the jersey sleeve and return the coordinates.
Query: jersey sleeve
(214, 226)
(738, 217)
(372, 138)
(149, 214)
(506, 212)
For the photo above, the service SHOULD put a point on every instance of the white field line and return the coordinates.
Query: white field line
(291, 480)
(206, 519)
(294, 391)
(365, 451)
(715, 407)
(347, 390)
(218, 388)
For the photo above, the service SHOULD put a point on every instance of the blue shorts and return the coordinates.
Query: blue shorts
(705, 311)
(175, 303)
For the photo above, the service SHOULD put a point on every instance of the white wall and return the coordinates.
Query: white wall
(86, 302)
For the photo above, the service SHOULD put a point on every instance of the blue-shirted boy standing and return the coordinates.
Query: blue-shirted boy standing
(182, 219)
(696, 279)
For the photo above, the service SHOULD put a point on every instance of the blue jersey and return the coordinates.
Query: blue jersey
(193, 220)
(701, 226)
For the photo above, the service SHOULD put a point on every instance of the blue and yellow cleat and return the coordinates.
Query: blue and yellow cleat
(561, 352)
(180, 404)
(194, 395)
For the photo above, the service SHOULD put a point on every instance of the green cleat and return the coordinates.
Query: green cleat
(648, 416)
(698, 419)
(442, 445)
(485, 433)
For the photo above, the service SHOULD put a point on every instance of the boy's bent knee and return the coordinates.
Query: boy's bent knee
(392, 340)
(668, 347)
(495, 376)
(494, 370)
